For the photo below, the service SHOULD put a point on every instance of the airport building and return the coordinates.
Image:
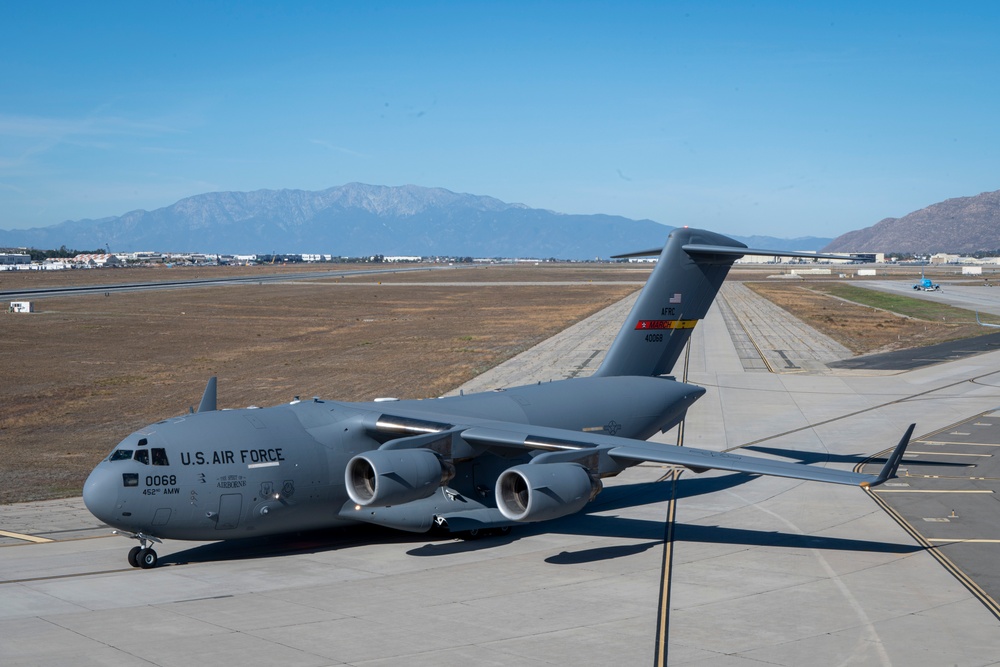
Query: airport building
(96, 260)
(13, 259)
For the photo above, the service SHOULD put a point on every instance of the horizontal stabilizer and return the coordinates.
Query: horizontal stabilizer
(654, 252)
(702, 249)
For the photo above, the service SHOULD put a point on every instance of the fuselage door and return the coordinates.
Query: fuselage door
(230, 505)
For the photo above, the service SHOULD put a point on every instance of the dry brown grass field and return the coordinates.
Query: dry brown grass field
(82, 372)
(863, 329)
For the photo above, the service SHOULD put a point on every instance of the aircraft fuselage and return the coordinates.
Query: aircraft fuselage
(257, 471)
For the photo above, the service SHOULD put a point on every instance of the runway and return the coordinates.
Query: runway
(47, 292)
(971, 294)
(760, 570)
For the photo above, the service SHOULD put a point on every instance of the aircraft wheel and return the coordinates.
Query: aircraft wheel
(504, 530)
(133, 556)
(473, 534)
(147, 559)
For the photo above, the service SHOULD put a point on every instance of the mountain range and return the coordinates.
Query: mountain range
(359, 220)
(960, 225)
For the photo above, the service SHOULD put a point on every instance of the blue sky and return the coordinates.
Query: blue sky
(779, 118)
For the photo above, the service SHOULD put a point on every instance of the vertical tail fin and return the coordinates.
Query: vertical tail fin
(692, 266)
(677, 295)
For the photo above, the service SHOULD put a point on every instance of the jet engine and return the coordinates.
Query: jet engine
(537, 492)
(384, 477)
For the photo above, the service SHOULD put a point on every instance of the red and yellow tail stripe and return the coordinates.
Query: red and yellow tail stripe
(653, 325)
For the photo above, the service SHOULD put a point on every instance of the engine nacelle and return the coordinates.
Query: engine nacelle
(384, 477)
(537, 492)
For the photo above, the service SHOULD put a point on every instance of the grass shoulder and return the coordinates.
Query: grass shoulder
(867, 321)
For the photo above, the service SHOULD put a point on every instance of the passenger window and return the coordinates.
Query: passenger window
(130, 479)
(142, 456)
(160, 457)
(120, 455)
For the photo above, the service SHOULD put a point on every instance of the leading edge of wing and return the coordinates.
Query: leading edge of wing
(551, 439)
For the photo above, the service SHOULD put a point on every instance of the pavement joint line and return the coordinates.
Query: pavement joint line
(957, 540)
(26, 538)
(976, 479)
(948, 442)
(74, 575)
(950, 454)
(934, 490)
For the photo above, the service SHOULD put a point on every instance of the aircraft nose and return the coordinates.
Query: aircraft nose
(100, 493)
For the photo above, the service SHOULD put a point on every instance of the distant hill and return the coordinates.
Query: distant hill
(357, 220)
(960, 225)
(353, 220)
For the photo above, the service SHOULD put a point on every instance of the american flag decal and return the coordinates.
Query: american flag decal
(676, 298)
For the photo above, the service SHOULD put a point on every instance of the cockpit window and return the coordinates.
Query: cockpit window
(160, 457)
(120, 455)
(142, 456)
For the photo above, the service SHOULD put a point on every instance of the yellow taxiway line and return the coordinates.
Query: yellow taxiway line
(26, 538)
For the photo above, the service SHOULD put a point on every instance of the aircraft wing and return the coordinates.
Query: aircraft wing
(566, 445)
(985, 324)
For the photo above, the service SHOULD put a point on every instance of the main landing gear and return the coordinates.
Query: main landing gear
(143, 555)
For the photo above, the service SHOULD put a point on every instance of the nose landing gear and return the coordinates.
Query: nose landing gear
(143, 555)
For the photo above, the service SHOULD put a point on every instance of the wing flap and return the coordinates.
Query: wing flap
(704, 459)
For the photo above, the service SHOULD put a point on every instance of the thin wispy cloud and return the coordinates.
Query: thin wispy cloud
(338, 149)
(58, 128)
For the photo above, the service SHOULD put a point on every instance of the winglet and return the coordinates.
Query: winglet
(985, 324)
(892, 463)
(208, 398)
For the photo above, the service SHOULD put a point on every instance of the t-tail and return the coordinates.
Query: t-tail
(691, 268)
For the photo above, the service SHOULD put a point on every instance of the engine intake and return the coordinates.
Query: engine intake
(381, 478)
(537, 492)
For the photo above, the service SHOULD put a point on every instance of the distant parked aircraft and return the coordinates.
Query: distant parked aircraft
(925, 284)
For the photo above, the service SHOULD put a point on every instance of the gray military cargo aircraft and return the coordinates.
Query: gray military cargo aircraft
(466, 464)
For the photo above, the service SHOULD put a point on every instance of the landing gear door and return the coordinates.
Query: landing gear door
(230, 505)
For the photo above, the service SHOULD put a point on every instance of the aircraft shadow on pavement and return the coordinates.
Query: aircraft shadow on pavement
(653, 531)
(614, 497)
(589, 522)
(290, 544)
